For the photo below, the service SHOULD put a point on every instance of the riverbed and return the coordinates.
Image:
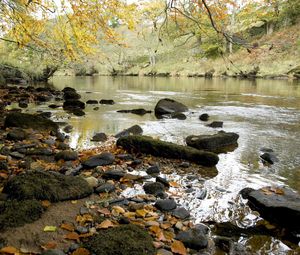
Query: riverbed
(265, 114)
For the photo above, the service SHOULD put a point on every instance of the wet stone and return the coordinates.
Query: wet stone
(16, 135)
(204, 117)
(102, 159)
(99, 137)
(81, 230)
(193, 238)
(153, 188)
(269, 157)
(113, 175)
(166, 204)
(91, 102)
(153, 170)
(163, 181)
(105, 188)
(126, 157)
(216, 124)
(66, 155)
(184, 164)
(68, 129)
(181, 213)
(92, 181)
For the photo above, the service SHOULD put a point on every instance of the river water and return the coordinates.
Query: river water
(265, 114)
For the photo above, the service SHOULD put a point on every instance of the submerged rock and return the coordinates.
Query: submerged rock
(91, 102)
(107, 101)
(25, 120)
(168, 106)
(269, 157)
(15, 213)
(139, 111)
(134, 130)
(103, 159)
(178, 115)
(214, 143)
(126, 239)
(148, 145)
(216, 124)
(204, 117)
(46, 186)
(278, 205)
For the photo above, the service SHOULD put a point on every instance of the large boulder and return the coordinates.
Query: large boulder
(46, 186)
(278, 205)
(15, 213)
(122, 240)
(215, 143)
(25, 120)
(148, 145)
(169, 106)
(71, 95)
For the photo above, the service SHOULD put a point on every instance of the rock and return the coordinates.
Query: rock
(184, 164)
(83, 210)
(68, 89)
(105, 188)
(92, 181)
(134, 130)
(153, 170)
(77, 112)
(103, 159)
(15, 213)
(16, 135)
(139, 111)
(99, 137)
(53, 252)
(178, 115)
(45, 115)
(71, 95)
(96, 108)
(165, 204)
(193, 239)
(181, 213)
(73, 104)
(66, 155)
(50, 186)
(126, 157)
(25, 120)
(201, 194)
(17, 155)
(163, 181)
(62, 146)
(163, 252)
(204, 117)
(278, 205)
(3, 165)
(216, 124)
(107, 101)
(126, 239)
(81, 230)
(68, 129)
(213, 143)
(168, 106)
(154, 188)
(148, 145)
(54, 106)
(91, 102)
(113, 175)
(23, 105)
(269, 157)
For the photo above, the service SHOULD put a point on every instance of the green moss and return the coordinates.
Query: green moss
(122, 240)
(46, 186)
(15, 213)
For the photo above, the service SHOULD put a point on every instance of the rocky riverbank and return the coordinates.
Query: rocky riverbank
(113, 199)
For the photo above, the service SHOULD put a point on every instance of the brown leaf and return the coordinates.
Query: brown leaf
(104, 211)
(105, 224)
(49, 245)
(67, 226)
(178, 247)
(80, 251)
(72, 236)
(174, 184)
(9, 250)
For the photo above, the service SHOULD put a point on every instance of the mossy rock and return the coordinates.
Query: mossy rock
(25, 120)
(123, 240)
(148, 145)
(15, 213)
(46, 186)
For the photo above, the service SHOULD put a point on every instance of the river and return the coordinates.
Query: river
(265, 113)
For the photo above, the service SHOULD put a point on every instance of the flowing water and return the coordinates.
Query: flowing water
(265, 113)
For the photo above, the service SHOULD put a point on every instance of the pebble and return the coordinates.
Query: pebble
(83, 210)
(165, 204)
(92, 181)
(153, 170)
(82, 230)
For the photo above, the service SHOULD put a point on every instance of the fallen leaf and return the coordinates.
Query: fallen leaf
(49, 228)
(4, 175)
(105, 224)
(80, 251)
(74, 201)
(141, 213)
(72, 236)
(9, 250)
(117, 210)
(46, 203)
(49, 245)
(174, 184)
(104, 211)
(67, 226)
(178, 247)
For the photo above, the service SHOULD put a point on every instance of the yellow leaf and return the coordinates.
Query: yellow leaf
(178, 247)
(9, 250)
(141, 213)
(116, 210)
(46, 203)
(105, 224)
(49, 229)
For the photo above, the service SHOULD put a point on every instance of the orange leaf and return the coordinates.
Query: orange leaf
(104, 211)
(105, 224)
(46, 203)
(49, 245)
(72, 236)
(141, 213)
(9, 250)
(67, 226)
(178, 247)
(174, 184)
(81, 251)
